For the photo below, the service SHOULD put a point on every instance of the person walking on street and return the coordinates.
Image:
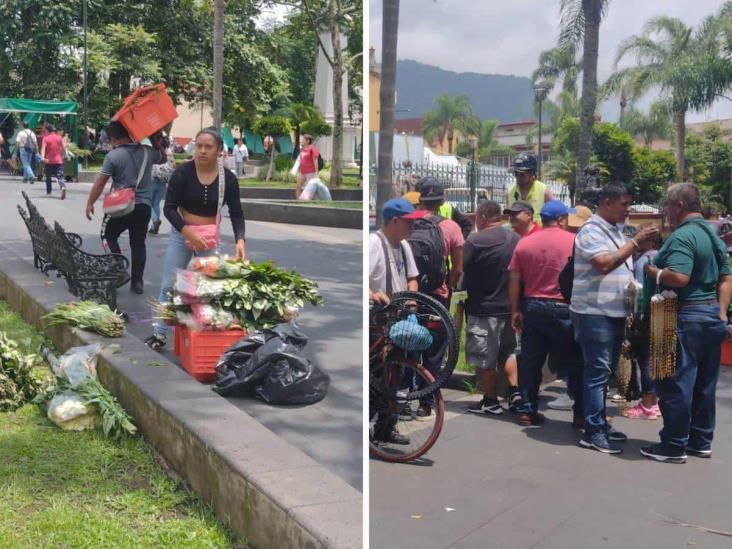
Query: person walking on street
(161, 174)
(241, 155)
(124, 164)
(527, 187)
(489, 340)
(539, 312)
(602, 270)
(521, 217)
(192, 201)
(308, 163)
(53, 152)
(693, 262)
(26, 144)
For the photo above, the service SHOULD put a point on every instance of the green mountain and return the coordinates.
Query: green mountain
(503, 97)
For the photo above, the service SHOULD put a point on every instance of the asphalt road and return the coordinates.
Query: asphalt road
(329, 431)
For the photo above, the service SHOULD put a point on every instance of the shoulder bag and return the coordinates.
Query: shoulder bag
(212, 233)
(120, 202)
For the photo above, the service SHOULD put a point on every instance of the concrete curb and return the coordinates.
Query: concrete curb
(256, 483)
(278, 193)
(341, 218)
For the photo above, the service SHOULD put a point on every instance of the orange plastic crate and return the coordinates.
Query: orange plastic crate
(726, 353)
(200, 351)
(146, 111)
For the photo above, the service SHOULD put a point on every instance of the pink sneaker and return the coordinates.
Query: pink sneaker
(640, 412)
(656, 410)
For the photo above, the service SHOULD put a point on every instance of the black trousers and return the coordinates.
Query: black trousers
(136, 223)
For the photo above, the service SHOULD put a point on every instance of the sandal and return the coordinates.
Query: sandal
(156, 342)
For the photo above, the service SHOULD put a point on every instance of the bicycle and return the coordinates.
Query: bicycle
(399, 384)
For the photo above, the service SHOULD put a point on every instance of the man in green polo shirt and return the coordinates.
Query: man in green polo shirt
(693, 263)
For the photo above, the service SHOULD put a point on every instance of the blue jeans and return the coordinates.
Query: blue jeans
(600, 338)
(26, 159)
(547, 329)
(158, 193)
(177, 256)
(687, 399)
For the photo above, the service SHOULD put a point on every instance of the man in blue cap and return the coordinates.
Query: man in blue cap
(539, 312)
(391, 264)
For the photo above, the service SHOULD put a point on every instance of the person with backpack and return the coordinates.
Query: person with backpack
(446, 210)
(693, 262)
(489, 340)
(129, 165)
(434, 239)
(602, 268)
(26, 144)
(539, 313)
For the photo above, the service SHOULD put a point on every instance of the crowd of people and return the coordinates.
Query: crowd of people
(519, 312)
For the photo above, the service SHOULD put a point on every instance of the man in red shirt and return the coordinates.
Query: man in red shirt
(539, 312)
(53, 152)
(521, 215)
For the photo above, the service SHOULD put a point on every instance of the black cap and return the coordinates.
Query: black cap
(431, 190)
(519, 206)
(50, 128)
(525, 162)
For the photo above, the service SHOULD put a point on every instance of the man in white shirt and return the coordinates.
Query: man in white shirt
(391, 264)
(27, 146)
(241, 155)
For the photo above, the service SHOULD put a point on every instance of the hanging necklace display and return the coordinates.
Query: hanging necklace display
(664, 309)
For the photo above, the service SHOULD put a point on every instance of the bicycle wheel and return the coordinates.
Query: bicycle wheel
(396, 432)
(431, 314)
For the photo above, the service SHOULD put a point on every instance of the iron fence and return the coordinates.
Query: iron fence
(465, 185)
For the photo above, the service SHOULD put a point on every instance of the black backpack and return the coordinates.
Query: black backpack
(321, 162)
(428, 248)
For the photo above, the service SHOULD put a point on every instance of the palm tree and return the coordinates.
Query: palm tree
(580, 21)
(654, 125)
(387, 97)
(558, 64)
(218, 61)
(452, 113)
(673, 57)
(299, 114)
(485, 131)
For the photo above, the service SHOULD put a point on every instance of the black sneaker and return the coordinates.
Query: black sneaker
(599, 441)
(615, 436)
(486, 406)
(514, 399)
(156, 342)
(664, 453)
(395, 438)
(424, 410)
(700, 453)
(137, 287)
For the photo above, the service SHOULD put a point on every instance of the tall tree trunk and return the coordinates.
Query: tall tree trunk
(592, 12)
(387, 97)
(336, 159)
(680, 120)
(623, 105)
(450, 137)
(218, 61)
(272, 154)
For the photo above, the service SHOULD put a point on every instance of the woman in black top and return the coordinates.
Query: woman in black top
(192, 199)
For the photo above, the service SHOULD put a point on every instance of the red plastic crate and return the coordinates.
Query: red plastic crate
(726, 353)
(200, 351)
(177, 340)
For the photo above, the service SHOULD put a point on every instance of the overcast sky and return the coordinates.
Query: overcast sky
(506, 36)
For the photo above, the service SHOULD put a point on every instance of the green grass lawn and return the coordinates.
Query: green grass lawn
(78, 489)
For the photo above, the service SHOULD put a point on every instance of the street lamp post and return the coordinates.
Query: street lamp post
(539, 94)
(474, 174)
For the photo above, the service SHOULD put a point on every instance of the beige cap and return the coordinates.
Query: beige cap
(580, 217)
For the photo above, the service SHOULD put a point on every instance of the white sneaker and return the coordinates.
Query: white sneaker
(562, 402)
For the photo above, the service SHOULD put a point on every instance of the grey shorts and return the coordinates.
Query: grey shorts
(489, 342)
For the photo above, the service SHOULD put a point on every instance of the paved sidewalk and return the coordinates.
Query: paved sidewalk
(521, 488)
(329, 431)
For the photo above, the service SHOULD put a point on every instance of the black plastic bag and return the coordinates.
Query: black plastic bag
(272, 365)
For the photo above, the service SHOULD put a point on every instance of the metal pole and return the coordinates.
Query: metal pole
(538, 157)
(86, 72)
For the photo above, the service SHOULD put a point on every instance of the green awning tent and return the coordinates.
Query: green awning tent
(32, 110)
(255, 143)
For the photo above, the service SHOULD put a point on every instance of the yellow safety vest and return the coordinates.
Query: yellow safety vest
(445, 210)
(535, 197)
